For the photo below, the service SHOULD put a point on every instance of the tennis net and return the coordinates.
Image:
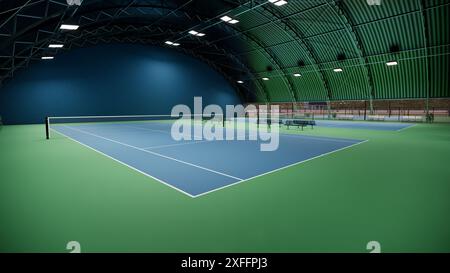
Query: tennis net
(159, 121)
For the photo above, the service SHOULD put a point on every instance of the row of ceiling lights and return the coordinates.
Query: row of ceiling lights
(226, 19)
(62, 27)
(233, 21)
(337, 70)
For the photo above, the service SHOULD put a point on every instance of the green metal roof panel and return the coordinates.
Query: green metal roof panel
(271, 35)
(291, 53)
(350, 84)
(295, 6)
(319, 20)
(363, 13)
(407, 80)
(257, 60)
(439, 62)
(434, 3)
(438, 21)
(405, 31)
(277, 86)
(250, 19)
(329, 46)
(309, 86)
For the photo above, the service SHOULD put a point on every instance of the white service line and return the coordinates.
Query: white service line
(147, 129)
(320, 138)
(153, 130)
(173, 145)
(156, 154)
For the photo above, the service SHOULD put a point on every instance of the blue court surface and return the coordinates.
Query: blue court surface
(195, 167)
(371, 125)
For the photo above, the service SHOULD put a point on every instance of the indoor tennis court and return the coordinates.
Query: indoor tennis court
(149, 148)
(353, 94)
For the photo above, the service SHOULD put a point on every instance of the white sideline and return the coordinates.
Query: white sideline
(153, 153)
(125, 164)
(204, 193)
(414, 125)
(282, 168)
(319, 138)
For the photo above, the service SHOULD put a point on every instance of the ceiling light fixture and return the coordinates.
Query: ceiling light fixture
(278, 2)
(171, 43)
(55, 46)
(392, 63)
(196, 33)
(225, 18)
(69, 27)
(229, 20)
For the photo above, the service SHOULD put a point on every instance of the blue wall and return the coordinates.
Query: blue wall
(111, 80)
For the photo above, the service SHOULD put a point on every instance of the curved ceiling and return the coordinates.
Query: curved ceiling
(281, 53)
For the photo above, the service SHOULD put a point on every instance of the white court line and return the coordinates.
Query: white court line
(172, 145)
(128, 116)
(217, 189)
(279, 169)
(410, 126)
(125, 164)
(320, 138)
(236, 129)
(369, 124)
(153, 153)
(148, 129)
(155, 130)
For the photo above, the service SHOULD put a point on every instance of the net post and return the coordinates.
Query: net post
(47, 129)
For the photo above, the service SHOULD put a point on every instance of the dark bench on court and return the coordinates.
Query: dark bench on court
(299, 123)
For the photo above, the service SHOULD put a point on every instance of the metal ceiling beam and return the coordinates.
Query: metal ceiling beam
(97, 34)
(425, 36)
(230, 55)
(341, 11)
(215, 66)
(295, 33)
(270, 22)
(15, 13)
(39, 44)
(323, 33)
(130, 29)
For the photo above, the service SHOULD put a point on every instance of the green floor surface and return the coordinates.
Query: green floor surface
(394, 189)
